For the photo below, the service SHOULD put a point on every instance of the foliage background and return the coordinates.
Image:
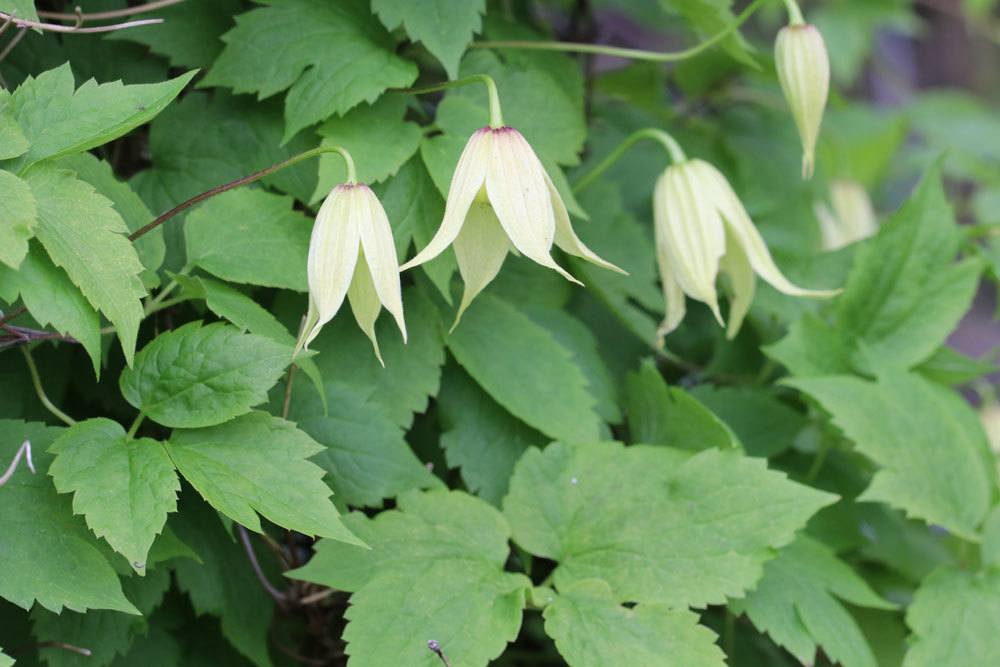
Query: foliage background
(880, 545)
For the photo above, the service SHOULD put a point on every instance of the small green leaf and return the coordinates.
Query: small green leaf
(250, 236)
(591, 629)
(915, 431)
(49, 555)
(125, 488)
(58, 121)
(199, 376)
(796, 604)
(518, 363)
(658, 524)
(19, 218)
(445, 27)
(442, 551)
(764, 424)
(331, 57)
(242, 467)
(953, 618)
(85, 236)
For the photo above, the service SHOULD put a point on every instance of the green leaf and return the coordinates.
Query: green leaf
(764, 425)
(12, 139)
(19, 219)
(331, 57)
(49, 555)
(156, 649)
(709, 17)
(519, 363)
(58, 121)
(366, 456)
(479, 437)
(52, 298)
(125, 488)
(659, 414)
(105, 634)
(442, 551)
(250, 236)
(796, 603)
(953, 619)
(199, 376)
(933, 457)
(85, 236)
(24, 9)
(398, 141)
(989, 550)
(222, 583)
(242, 468)
(190, 32)
(812, 347)
(5, 660)
(591, 629)
(150, 246)
(658, 524)
(445, 27)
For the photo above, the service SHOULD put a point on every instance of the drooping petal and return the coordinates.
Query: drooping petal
(480, 250)
(466, 182)
(333, 253)
(742, 284)
(365, 303)
(380, 254)
(673, 298)
(565, 238)
(689, 231)
(852, 217)
(515, 185)
(746, 235)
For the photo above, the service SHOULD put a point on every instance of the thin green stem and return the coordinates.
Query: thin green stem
(37, 381)
(157, 307)
(824, 449)
(794, 13)
(632, 54)
(496, 115)
(658, 135)
(256, 176)
(729, 636)
(135, 426)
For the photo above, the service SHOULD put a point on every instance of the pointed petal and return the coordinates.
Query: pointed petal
(742, 283)
(743, 232)
(480, 250)
(365, 303)
(466, 182)
(566, 238)
(380, 255)
(515, 184)
(689, 232)
(333, 253)
(673, 297)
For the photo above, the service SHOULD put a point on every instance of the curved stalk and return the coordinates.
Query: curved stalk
(37, 381)
(496, 115)
(658, 135)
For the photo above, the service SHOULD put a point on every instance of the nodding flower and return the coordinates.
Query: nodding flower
(850, 216)
(501, 199)
(352, 255)
(804, 73)
(702, 229)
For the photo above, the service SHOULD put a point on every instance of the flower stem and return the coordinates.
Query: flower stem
(37, 381)
(135, 426)
(658, 135)
(256, 176)
(794, 13)
(496, 115)
(632, 54)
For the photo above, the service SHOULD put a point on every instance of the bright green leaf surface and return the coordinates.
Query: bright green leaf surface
(656, 523)
(927, 441)
(54, 559)
(591, 629)
(125, 488)
(331, 57)
(199, 376)
(445, 27)
(441, 550)
(241, 468)
(764, 425)
(19, 218)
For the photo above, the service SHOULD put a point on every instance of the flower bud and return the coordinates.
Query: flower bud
(851, 218)
(804, 72)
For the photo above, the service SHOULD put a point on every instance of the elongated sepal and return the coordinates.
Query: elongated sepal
(804, 73)
(850, 217)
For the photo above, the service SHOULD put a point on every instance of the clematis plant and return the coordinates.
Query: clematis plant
(849, 217)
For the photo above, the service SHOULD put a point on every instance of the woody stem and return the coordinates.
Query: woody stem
(496, 115)
(656, 134)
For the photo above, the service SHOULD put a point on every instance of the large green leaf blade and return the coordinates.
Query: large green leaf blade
(445, 27)
(20, 216)
(199, 376)
(125, 488)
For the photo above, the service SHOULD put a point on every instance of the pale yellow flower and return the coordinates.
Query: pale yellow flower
(851, 218)
(352, 255)
(702, 229)
(501, 199)
(804, 73)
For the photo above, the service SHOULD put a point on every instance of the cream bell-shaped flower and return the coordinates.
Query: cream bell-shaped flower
(851, 218)
(702, 229)
(804, 73)
(352, 255)
(501, 199)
